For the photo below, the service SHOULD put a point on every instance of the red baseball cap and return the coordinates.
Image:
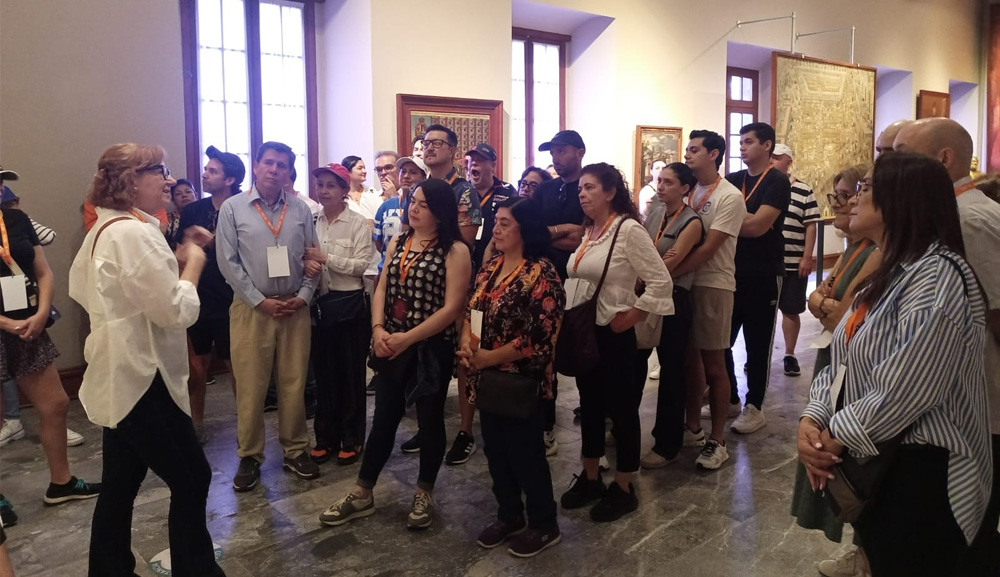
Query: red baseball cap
(335, 169)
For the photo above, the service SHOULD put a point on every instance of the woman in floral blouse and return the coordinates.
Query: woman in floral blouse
(520, 300)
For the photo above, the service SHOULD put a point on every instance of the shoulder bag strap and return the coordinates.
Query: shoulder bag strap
(607, 263)
(100, 230)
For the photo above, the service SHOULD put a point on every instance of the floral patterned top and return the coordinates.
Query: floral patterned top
(525, 310)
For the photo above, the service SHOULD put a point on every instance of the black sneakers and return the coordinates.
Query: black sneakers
(303, 466)
(534, 541)
(411, 446)
(7, 515)
(614, 504)
(792, 366)
(499, 531)
(463, 448)
(74, 490)
(247, 475)
(582, 491)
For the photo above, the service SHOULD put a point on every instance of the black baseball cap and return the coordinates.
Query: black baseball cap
(8, 174)
(231, 164)
(484, 150)
(570, 137)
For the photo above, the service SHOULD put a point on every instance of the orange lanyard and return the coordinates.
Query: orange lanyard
(5, 249)
(964, 188)
(843, 267)
(855, 321)
(485, 200)
(404, 267)
(708, 194)
(663, 228)
(743, 189)
(281, 219)
(586, 243)
(452, 177)
(503, 283)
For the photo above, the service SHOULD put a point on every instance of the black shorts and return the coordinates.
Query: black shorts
(207, 332)
(793, 294)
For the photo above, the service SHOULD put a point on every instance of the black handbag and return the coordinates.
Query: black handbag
(339, 306)
(508, 394)
(576, 349)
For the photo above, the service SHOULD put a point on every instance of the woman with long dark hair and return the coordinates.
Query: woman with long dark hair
(360, 199)
(613, 236)
(511, 328)
(422, 294)
(907, 371)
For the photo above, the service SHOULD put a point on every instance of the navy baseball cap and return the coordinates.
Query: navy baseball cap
(231, 164)
(570, 137)
(484, 150)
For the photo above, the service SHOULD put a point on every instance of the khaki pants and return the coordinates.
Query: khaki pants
(262, 346)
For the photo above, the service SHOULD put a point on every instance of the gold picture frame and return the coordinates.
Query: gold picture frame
(654, 143)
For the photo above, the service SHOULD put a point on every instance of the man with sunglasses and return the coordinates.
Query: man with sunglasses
(440, 144)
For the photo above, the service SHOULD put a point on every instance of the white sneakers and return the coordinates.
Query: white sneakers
(655, 373)
(12, 430)
(692, 439)
(750, 420)
(851, 564)
(551, 444)
(731, 412)
(654, 460)
(712, 456)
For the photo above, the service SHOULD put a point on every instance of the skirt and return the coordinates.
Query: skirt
(19, 357)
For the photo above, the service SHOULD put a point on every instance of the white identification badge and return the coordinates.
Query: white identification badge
(15, 292)
(477, 323)
(479, 233)
(837, 386)
(823, 340)
(277, 262)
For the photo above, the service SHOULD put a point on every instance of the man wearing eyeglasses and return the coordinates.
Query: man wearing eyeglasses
(481, 169)
(440, 144)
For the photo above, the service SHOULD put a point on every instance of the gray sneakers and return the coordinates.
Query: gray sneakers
(421, 515)
(347, 509)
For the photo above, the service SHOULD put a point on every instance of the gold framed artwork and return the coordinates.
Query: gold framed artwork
(473, 121)
(654, 143)
(824, 111)
(933, 104)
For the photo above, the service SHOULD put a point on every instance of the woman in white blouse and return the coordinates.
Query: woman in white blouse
(135, 386)
(342, 331)
(610, 389)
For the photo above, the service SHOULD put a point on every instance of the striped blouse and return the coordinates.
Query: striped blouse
(918, 360)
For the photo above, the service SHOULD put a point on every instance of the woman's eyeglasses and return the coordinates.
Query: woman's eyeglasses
(162, 168)
(839, 199)
(527, 185)
(864, 185)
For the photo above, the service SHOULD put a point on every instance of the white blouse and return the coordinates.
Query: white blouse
(139, 314)
(634, 257)
(347, 242)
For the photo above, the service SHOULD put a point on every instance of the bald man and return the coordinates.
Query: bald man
(886, 138)
(947, 141)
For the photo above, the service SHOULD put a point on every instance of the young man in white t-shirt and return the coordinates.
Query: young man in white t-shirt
(722, 211)
(647, 194)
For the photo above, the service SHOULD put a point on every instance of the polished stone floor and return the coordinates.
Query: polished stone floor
(731, 522)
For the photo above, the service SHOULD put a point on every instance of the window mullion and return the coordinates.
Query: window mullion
(254, 76)
(529, 102)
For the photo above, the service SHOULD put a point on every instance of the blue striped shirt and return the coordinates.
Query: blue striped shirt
(918, 360)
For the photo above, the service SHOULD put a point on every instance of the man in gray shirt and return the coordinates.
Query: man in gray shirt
(261, 239)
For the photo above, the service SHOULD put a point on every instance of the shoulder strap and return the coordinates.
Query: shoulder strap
(100, 230)
(607, 263)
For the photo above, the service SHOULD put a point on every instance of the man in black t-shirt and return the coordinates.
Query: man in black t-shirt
(559, 198)
(222, 178)
(481, 170)
(759, 268)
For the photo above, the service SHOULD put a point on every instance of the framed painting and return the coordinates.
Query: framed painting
(824, 111)
(653, 143)
(933, 104)
(991, 154)
(473, 120)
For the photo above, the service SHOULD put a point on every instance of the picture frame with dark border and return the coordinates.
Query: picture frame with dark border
(933, 104)
(654, 143)
(473, 120)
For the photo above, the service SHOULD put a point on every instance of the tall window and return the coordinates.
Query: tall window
(538, 94)
(741, 109)
(249, 78)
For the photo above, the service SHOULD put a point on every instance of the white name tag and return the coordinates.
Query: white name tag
(837, 386)
(15, 292)
(476, 320)
(479, 233)
(277, 262)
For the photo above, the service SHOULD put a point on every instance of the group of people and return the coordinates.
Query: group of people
(437, 276)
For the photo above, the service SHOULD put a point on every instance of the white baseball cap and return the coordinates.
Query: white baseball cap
(417, 161)
(782, 150)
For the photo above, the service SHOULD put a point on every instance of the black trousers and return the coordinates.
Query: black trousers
(338, 357)
(549, 407)
(155, 435)
(755, 304)
(985, 554)
(611, 390)
(515, 454)
(668, 431)
(390, 405)
(909, 529)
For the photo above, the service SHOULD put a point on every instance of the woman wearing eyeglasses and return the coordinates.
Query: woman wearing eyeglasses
(531, 179)
(828, 303)
(141, 299)
(907, 369)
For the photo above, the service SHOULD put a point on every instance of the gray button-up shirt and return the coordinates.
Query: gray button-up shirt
(242, 238)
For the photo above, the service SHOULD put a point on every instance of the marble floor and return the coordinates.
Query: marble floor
(734, 521)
